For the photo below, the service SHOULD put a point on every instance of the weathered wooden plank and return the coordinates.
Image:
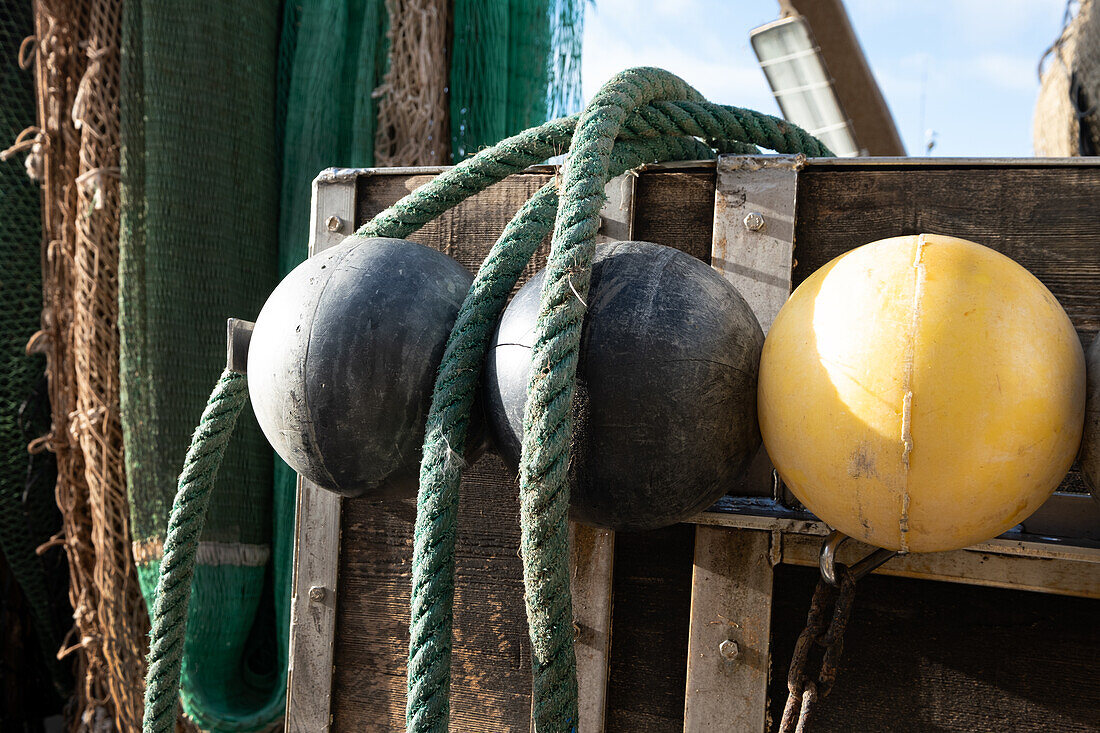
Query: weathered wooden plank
(593, 560)
(491, 663)
(317, 520)
(728, 643)
(1045, 218)
(676, 209)
(1060, 576)
(650, 630)
(468, 231)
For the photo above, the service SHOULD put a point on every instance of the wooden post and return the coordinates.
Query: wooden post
(593, 550)
(731, 588)
(728, 640)
(593, 558)
(317, 520)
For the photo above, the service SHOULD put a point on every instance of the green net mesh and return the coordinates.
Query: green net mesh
(28, 512)
(229, 111)
(200, 195)
(514, 64)
(198, 245)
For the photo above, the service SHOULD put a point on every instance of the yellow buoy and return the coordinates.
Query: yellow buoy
(922, 393)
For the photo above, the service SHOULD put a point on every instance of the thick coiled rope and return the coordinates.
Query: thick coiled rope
(659, 130)
(640, 116)
(169, 619)
(448, 419)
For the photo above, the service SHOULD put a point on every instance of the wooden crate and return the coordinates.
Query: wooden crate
(678, 593)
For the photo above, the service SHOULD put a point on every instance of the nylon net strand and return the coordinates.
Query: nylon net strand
(412, 100)
(532, 44)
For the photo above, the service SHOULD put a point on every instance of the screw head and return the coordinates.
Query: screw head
(728, 649)
(317, 594)
(334, 223)
(754, 221)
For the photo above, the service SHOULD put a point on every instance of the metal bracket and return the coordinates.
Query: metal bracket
(617, 214)
(238, 335)
(859, 569)
(753, 248)
(754, 203)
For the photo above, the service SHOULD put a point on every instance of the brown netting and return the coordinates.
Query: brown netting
(412, 99)
(78, 88)
(1067, 113)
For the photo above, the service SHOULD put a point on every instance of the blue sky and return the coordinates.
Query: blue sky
(973, 60)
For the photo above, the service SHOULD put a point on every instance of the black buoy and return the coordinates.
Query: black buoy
(1089, 458)
(665, 407)
(343, 360)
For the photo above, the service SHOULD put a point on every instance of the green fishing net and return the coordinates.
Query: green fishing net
(229, 111)
(515, 64)
(198, 245)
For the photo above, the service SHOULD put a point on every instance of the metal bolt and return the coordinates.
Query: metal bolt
(334, 223)
(728, 649)
(754, 221)
(317, 594)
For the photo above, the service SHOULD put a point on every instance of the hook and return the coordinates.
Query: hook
(828, 563)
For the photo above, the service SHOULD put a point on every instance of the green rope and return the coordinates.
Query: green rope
(548, 414)
(729, 129)
(447, 423)
(661, 119)
(640, 116)
(169, 618)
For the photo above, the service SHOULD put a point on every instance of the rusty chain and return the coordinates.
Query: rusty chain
(825, 624)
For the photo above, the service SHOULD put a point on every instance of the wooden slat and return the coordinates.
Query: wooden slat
(993, 569)
(468, 231)
(593, 557)
(317, 519)
(676, 209)
(732, 569)
(728, 643)
(313, 617)
(1045, 218)
(491, 664)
